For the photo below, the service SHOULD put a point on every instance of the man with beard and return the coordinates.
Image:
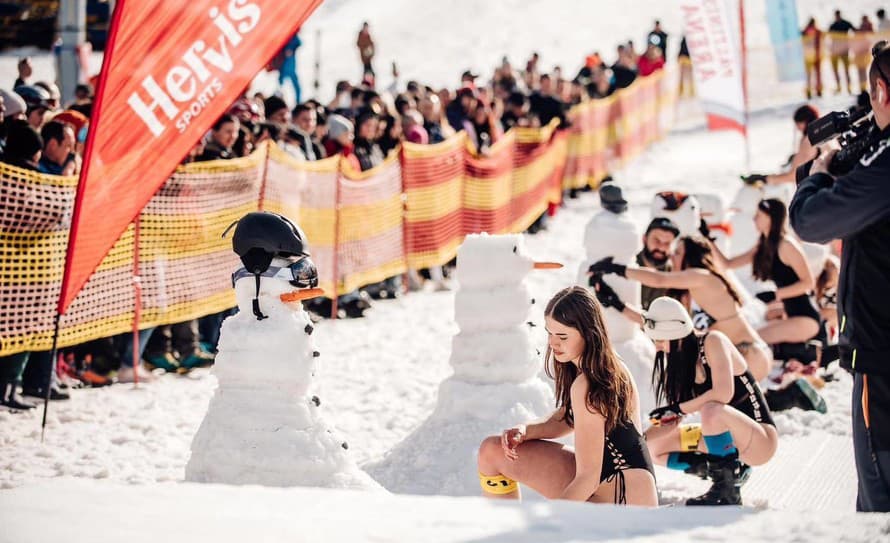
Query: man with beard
(658, 245)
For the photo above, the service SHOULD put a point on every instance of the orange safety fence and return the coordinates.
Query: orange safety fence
(412, 211)
(607, 133)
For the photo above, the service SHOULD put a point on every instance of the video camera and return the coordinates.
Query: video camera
(853, 129)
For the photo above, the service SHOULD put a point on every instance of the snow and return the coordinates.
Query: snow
(495, 383)
(122, 452)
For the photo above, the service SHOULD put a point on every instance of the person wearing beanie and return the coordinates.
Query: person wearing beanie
(23, 145)
(597, 400)
(658, 248)
(705, 374)
(14, 104)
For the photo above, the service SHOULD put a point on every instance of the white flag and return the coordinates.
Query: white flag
(713, 36)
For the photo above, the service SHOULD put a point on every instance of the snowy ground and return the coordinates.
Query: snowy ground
(120, 449)
(378, 382)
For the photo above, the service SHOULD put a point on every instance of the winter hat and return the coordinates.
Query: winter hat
(338, 125)
(666, 319)
(663, 223)
(13, 103)
(612, 199)
(22, 141)
(75, 118)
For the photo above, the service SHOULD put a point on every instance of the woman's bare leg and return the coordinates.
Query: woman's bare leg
(545, 466)
(790, 330)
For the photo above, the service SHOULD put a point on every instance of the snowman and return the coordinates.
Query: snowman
(612, 233)
(263, 426)
(496, 380)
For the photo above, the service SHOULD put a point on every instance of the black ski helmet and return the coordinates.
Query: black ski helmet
(259, 237)
(262, 235)
(34, 96)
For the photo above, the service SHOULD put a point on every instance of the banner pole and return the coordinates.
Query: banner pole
(744, 50)
(53, 354)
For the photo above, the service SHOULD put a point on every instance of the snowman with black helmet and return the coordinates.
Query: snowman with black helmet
(263, 425)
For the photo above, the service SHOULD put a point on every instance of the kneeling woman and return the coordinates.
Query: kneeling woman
(711, 290)
(705, 375)
(597, 399)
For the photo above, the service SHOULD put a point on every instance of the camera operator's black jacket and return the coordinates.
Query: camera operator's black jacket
(856, 209)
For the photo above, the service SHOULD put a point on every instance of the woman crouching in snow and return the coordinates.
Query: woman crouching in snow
(597, 399)
(706, 375)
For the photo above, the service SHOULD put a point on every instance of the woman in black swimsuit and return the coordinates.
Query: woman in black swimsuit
(705, 375)
(779, 258)
(597, 399)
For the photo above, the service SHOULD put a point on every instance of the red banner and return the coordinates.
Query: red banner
(171, 68)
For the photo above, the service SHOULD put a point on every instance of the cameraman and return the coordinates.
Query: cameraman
(855, 207)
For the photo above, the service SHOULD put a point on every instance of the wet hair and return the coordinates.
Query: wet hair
(768, 246)
(696, 254)
(610, 389)
(673, 374)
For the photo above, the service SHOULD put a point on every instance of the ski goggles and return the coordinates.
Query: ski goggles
(301, 274)
(651, 323)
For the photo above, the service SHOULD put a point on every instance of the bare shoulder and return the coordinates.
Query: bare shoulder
(716, 339)
(788, 246)
(580, 387)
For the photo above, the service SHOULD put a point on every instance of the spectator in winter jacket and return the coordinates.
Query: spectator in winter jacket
(367, 150)
(366, 51)
(430, 108)
(223, 136)
(412, 125)
(515, 111)
(306, 121)
(58, 149)
(651, 62)
(23, 145)
(544, 105)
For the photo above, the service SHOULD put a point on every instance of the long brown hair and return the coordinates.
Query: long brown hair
(696, 254)
(768, 246)
(610, 389)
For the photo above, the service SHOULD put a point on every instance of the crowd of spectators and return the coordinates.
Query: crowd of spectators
(363, 123)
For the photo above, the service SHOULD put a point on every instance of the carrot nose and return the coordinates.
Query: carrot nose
(547, 265)
(300, 295)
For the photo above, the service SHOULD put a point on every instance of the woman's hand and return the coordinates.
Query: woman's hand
(511, 438)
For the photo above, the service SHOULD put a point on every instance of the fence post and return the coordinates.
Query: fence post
(336, 255)
(137, 300)
(406, 279)
(262, 195)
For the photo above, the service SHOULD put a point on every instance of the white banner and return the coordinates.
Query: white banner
(713, 36)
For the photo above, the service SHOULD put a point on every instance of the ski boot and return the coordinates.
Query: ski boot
(725, 473)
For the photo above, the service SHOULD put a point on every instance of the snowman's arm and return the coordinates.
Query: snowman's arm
(552, 427)
(684, 279)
